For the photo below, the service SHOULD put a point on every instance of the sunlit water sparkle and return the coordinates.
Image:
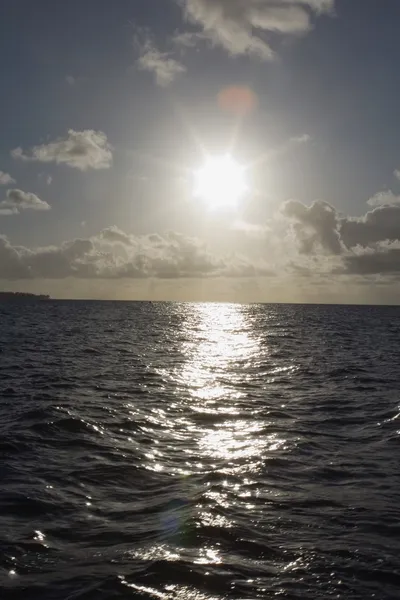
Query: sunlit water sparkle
(199, 451)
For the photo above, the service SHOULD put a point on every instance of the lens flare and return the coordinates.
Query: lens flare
(238, 100)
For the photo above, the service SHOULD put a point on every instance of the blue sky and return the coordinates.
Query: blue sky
(78, 66)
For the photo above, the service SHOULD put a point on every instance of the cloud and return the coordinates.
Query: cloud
(83, 150)
(314, 225)
(114, 254)
(284, 148)
(6, 179)
(319, 226)
(335, 245)
(17, 201)
(383, 198)
(186, 39)
(384, 260)
(310, 244)
(378, 225)
(241, 26)
(114, 235)
(301, 139)
(47, 179)
(396, 173)
(164, 68)
(73, 81)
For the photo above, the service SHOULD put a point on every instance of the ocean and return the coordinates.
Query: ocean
(199, 451)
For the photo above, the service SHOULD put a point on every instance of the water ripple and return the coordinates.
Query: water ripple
(199, 451)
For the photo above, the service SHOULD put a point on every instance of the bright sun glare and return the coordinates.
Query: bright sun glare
(221, 182)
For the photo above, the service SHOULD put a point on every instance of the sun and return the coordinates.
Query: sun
(220, 182)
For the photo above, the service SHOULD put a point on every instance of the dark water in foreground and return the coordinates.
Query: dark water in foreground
(188, 451)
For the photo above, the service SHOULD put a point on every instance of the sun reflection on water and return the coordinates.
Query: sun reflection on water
(220, 347)
(217, 427)
(216, 419)
(220, 360)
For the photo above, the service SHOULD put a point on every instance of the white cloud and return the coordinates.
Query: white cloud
(384, 198)
(17, 201)
(6, 179)
(396, 173)
(83, 150)
(70, 79)
(240, 26)
(164, 68)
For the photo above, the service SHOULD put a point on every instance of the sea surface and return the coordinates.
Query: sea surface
(199, 451)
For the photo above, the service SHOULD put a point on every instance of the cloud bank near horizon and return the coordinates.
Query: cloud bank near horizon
(310, 241)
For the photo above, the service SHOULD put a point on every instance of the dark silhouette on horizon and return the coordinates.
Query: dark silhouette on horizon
(22, 296)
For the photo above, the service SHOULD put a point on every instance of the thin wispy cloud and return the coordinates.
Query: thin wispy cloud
(162, 65)
(285, 147)
(45, 178)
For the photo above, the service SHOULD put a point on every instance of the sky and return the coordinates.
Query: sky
(110, 109)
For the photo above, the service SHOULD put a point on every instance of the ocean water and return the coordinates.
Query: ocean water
(199, 451)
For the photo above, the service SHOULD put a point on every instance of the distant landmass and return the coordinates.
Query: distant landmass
(22, 296)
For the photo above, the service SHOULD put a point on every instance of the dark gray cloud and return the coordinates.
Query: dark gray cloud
(378, 225)
(314, 225)
(83, 150)
(366, 245)
(319, 226)
(381, 261)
